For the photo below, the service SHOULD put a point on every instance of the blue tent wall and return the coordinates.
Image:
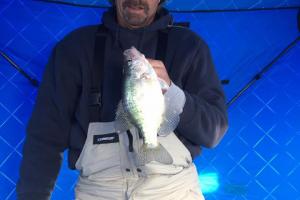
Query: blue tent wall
(192, 5)
(258, 158)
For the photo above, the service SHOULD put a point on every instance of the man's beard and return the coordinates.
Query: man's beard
(135, 19)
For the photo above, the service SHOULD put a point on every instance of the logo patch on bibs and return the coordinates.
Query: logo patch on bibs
(106, 138)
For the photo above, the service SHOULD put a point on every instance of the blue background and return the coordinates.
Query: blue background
(259, 158)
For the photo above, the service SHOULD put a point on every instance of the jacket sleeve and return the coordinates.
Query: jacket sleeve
(204, 118)
(48, 128)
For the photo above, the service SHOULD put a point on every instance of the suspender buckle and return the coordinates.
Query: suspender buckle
(95, 98)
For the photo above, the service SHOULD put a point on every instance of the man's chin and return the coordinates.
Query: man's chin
(136, 22)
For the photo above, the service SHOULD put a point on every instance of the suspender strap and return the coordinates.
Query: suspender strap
(95, 96)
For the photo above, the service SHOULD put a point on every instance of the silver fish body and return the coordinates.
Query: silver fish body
(142, 99)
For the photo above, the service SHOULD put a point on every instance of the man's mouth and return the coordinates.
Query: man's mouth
(135, 8)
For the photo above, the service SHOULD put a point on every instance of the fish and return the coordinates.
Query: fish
(142, 97)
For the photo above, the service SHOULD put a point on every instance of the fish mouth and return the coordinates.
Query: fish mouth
(131, 54)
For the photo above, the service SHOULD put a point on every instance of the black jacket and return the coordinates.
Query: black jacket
(60, 117)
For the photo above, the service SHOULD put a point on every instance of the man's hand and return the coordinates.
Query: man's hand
(160, 70)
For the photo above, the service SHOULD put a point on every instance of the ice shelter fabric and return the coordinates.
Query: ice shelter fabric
(258, 158)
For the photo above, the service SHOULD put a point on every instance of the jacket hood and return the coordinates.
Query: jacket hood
(125, 38)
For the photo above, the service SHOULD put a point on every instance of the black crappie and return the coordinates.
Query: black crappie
(142, 100)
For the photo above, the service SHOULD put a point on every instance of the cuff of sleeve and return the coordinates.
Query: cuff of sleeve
(188, 112)
(174, 103)
(174, 99)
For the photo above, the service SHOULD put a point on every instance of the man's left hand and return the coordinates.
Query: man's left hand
(160, 70)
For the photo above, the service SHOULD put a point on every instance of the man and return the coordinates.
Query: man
(62, 116)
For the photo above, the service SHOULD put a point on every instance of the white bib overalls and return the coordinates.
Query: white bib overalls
(109, 171)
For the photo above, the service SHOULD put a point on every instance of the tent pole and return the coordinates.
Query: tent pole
(263, 71)
(33, 81)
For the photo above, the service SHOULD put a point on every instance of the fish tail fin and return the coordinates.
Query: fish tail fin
(158, 154)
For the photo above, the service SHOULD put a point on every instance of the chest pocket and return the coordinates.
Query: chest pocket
(101, 153)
